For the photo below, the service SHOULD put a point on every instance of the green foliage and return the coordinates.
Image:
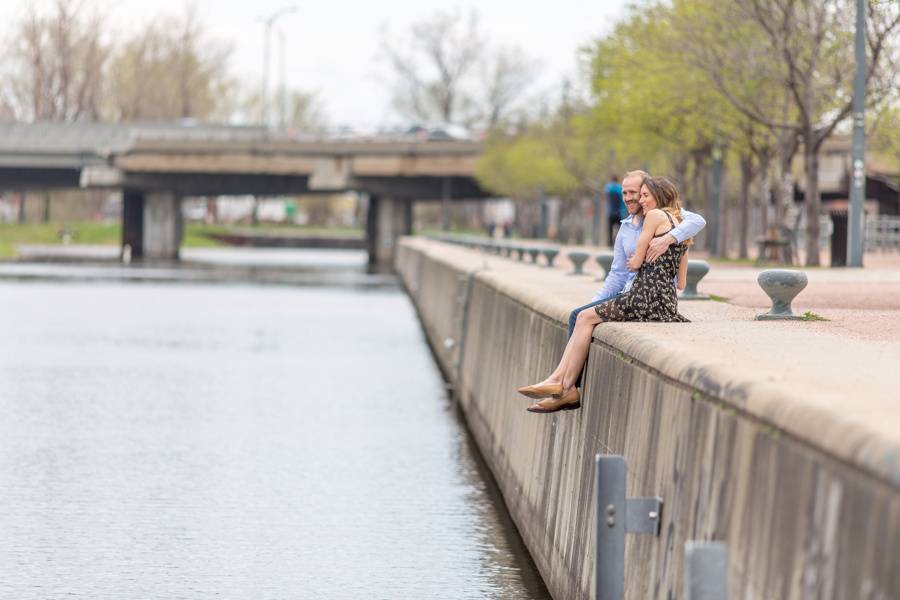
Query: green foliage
(654, 106)
(196, 235)
(676, 79)
(811, 316)
(886, 138)
(520, 166)
(651, 109)
(170, 69)
(12, 234)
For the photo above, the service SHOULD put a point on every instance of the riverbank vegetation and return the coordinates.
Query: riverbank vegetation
(196, 235)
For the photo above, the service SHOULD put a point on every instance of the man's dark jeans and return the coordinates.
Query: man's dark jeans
(573, 316)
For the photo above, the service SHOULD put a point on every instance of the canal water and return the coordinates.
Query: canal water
(235, 440)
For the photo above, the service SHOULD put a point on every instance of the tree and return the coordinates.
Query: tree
(445, 71)
(801, 48)
(304, 113)
(171, 69)
(655, 107)
(504, 75)
(57, 65)
(432, 65)
(885, 137)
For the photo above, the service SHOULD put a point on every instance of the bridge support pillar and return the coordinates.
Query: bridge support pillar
(152, 224)
(133, 223)
(388, 218)
(162, 225)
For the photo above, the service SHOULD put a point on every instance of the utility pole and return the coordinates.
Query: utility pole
(268, 22)
(855, 230)
(446, 196)
(715, 203)
(282, 87)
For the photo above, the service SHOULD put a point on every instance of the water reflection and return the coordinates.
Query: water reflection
(236, 441)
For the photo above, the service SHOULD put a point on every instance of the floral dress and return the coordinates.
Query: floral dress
(652, 295)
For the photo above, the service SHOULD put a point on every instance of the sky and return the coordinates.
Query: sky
(333, 46)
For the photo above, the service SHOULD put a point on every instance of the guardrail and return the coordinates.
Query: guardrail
(883, 233)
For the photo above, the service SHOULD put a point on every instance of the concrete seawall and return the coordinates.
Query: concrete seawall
(780, 439)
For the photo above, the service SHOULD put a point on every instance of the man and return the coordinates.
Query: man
(619, 278)
(615, 206)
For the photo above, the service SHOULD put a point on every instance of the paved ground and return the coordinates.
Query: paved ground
(861, 303)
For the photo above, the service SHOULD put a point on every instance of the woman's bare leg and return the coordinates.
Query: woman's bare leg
(577, 348)
(584, 326)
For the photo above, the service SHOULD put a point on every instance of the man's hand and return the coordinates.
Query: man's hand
(658, 246)
(633, 264)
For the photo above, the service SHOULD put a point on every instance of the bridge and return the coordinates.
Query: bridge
(155, 166)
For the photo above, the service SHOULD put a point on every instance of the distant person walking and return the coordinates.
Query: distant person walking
(615, 205)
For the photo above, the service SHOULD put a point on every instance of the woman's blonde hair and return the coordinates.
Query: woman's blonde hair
(667, 199)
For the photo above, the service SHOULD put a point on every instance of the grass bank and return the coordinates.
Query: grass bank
(96, 233)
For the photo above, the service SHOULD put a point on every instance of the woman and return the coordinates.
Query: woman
(652, 297)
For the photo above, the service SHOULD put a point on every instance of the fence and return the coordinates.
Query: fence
(882, 233)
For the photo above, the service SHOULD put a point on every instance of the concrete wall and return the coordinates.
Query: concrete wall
(803, 517)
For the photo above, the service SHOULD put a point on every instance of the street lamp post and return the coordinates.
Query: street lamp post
(263, 97)
(858, 172)
(715, 208)
(281, 88)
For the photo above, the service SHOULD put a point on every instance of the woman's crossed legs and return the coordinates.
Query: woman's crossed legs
(575, 354)
(572, 361)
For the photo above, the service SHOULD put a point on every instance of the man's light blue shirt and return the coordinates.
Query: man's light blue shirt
(619, 278)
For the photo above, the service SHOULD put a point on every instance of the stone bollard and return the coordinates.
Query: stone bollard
(550, 254)
(578, 259)
(697, 270)
(604, 259)
(782, 286)
(534, 252)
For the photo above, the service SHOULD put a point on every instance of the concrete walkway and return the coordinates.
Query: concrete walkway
(861, 303)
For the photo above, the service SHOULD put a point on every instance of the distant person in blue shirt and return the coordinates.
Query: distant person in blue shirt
(620, 277)
(616, 206)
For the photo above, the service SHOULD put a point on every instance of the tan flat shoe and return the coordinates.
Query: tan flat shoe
(537, 391)
(570, 401)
